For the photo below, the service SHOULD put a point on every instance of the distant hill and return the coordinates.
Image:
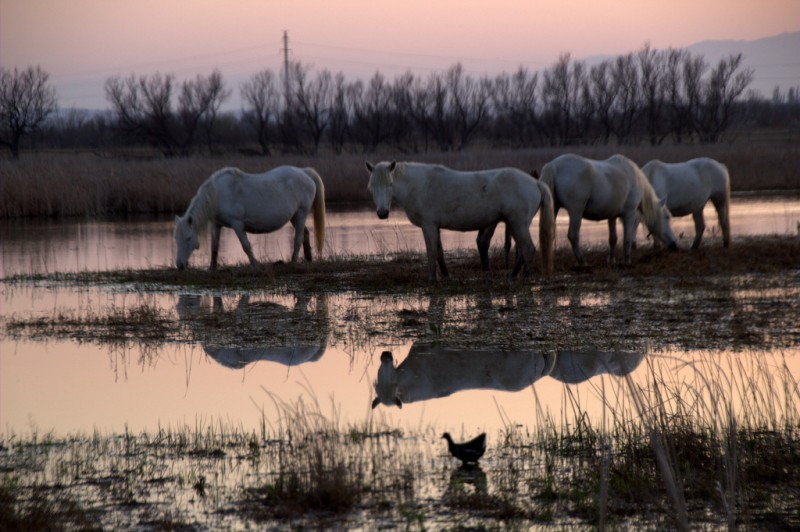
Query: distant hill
(776, 60)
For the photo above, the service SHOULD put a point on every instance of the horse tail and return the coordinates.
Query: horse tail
(319, 210)
(547, 227)
(725, 211)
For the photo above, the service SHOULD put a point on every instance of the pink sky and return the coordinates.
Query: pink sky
(83, 42)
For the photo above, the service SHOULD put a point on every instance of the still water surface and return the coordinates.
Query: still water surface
(69, 386)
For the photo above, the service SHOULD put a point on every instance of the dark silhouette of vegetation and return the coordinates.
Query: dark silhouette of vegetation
(26, 100)
(647, 97)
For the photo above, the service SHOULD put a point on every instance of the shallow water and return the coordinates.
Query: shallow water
(29, 247)
(72, 385)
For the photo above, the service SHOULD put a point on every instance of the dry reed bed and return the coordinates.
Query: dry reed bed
(89, 185)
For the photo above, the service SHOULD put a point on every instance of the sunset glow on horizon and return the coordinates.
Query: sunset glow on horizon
(81, 43)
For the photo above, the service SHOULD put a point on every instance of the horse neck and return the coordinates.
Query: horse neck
(203, 207)
(401, 184)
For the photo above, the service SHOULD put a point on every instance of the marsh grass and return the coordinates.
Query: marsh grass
(705, 442)
(54, 184)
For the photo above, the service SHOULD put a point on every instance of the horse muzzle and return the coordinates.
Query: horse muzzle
(383, 213)
(672, 246)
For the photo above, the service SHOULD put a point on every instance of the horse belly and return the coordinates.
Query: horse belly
(686, 195)
(602, 209)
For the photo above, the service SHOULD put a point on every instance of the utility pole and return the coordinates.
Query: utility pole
(285, 50)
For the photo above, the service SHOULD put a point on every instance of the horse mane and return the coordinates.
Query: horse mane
(649, 205)
(203, 207)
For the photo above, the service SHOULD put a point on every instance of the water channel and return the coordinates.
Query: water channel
(70, 386)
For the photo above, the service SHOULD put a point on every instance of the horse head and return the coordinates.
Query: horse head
(666, 235)
(380, 184)
(386, 384)
(186, 238)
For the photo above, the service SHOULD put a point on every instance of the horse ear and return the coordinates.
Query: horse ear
(375, 402)
(189, 220)
(662, 202)
(177, 219)
(535, 173)
(398, 402)
(370, 166)
(392, 166)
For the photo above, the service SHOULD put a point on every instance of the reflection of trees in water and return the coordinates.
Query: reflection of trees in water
(433, 371)
(257, 330)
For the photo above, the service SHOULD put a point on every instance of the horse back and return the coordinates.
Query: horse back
(597, 189)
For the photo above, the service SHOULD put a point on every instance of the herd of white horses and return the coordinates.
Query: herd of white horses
(435, 197)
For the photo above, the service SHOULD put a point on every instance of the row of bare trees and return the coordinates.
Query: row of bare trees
(647, 96)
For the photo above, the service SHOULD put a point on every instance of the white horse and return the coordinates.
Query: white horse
(606, 190)
(253, 203)
(687, 188)
(435, 197)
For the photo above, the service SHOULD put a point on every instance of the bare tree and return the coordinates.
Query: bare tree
(514, 99)
(143, 109)
(311, 101)
(723, 86)
(26, 100)
(653, 90)
(603, 96)
(626, 86)
(370, 105)
(262, 98)
(469, 100)
(693, 70)
(560, 94)
(341, 114)
(401, 121)
(421, 108)
(198, 106)
(677, 115)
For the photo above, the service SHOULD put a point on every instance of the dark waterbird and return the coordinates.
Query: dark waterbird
(467, 452)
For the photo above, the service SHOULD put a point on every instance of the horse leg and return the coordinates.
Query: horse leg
(215, 231)
(574, 236)
(300, 235)
(721, 204)
(507, 246)
(306, 245)
(248, 249)
(612, 241)
(525, 249)
(629, 226)
(699, 228)
(483, 240)
(440, 257)
(432, 247)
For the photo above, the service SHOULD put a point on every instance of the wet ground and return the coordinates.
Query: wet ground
(150, 398)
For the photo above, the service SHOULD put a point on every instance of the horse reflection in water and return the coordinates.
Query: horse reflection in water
(432, 371)
(256, 331)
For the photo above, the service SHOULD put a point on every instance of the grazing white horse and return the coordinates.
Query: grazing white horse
(606, 190)
(435, 197)
(688, 186)
(253, 203)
